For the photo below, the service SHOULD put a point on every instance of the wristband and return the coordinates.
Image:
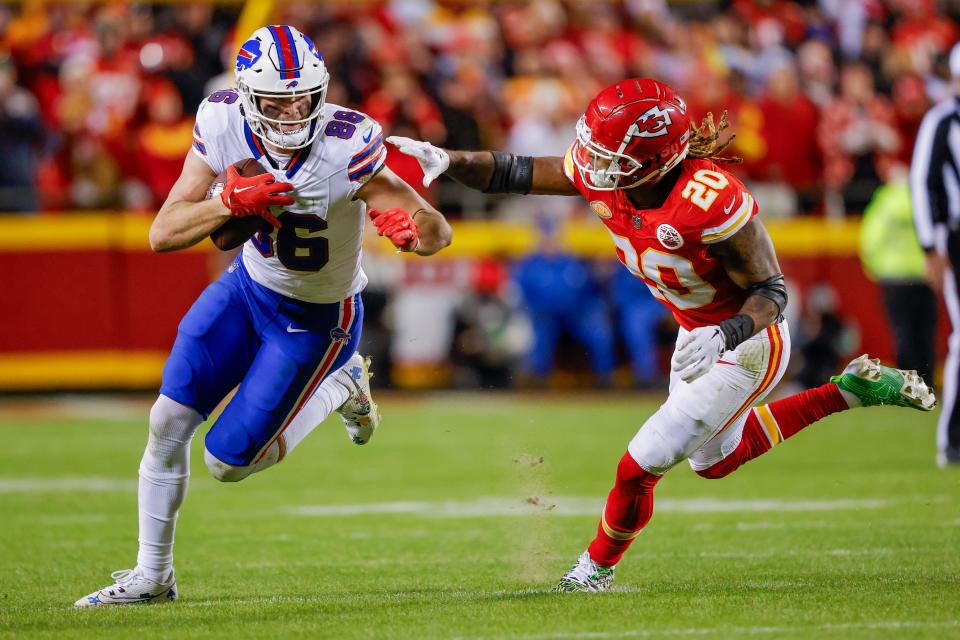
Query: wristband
(736, 330)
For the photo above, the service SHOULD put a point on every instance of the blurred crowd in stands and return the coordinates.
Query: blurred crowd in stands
(825, 95)
(825, 98)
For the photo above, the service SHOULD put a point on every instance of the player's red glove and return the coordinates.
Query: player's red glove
(398, 227)
(255, 195)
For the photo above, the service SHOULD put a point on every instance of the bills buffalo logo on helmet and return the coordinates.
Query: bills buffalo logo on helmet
(653, 122)
(669, 237)
(249, 54)
(339, 335)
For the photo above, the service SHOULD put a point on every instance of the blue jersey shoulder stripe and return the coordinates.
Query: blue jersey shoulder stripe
(376, 164)
(373, 146)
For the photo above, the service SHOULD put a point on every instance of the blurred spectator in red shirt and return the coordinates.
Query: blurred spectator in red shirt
(910, 104)
(716, 94)
(858, 134)
(788, 15)
(160, 144)
(401, 99)
(114, 82)
(789, 133)
(921, 30)
(403, 108)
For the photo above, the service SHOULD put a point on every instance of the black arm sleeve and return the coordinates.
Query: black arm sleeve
(773, 288)
(511, 174)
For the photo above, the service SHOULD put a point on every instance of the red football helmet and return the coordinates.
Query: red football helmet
(632, 133)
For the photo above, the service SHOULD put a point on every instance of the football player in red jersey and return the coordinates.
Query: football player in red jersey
(689, 230)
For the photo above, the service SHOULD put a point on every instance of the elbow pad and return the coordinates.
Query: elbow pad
(511, 174)
(774, 288)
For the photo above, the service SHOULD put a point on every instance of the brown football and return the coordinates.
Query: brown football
(235, 231)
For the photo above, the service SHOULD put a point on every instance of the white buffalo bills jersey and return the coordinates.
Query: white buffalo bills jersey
(315, 255)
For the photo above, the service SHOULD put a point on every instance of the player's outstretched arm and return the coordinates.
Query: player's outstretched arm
(489, 171)
(186, 216)
(400, 214)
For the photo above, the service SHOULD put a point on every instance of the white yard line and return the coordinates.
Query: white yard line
(572, 506)
(64, 484)
(103, 408)
(727, 632)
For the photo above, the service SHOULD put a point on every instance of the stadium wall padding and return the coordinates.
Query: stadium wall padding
(88, 305)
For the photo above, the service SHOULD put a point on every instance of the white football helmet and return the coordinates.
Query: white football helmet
(280, 62)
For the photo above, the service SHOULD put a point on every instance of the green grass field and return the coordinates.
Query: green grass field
(449, 525)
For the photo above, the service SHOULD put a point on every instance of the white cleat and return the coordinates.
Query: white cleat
(586, 576)
(130, 588)
(361, 415)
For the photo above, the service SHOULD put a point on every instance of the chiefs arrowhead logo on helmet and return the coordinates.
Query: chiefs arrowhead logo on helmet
(653, 122)
(633, 132)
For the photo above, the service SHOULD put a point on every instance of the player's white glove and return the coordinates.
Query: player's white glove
(433, 160)
(697, 351)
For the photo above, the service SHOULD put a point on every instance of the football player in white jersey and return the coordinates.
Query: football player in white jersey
(283, 322)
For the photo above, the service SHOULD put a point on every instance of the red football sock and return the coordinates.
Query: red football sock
(773, 423)
(628, 509)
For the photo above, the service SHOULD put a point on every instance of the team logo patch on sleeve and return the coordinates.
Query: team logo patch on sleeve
(339, 335)
(601, 209)
(669, 237)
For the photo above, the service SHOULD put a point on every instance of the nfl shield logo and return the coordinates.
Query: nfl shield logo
(637, 221)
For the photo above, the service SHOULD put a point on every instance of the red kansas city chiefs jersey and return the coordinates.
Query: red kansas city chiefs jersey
(667, 248)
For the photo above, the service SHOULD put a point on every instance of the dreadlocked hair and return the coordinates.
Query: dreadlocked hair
(705, 140)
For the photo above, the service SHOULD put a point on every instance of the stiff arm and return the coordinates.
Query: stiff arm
(475, 169)
(479, 169)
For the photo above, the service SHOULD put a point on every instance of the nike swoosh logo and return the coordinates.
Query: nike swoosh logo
(239, 189)
(367, 137)
(292, 329)
(729, 208)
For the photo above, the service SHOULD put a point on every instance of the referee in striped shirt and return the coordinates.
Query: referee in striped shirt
(935, 196)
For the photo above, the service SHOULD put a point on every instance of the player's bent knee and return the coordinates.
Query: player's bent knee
(713, 473)
(720, 469)
(172, 426)
(225, 472)
(662, 441)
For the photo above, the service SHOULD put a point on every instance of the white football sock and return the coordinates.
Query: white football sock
(164, 475)
(332, 392)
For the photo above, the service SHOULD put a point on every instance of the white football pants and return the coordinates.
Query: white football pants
(703, 420)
